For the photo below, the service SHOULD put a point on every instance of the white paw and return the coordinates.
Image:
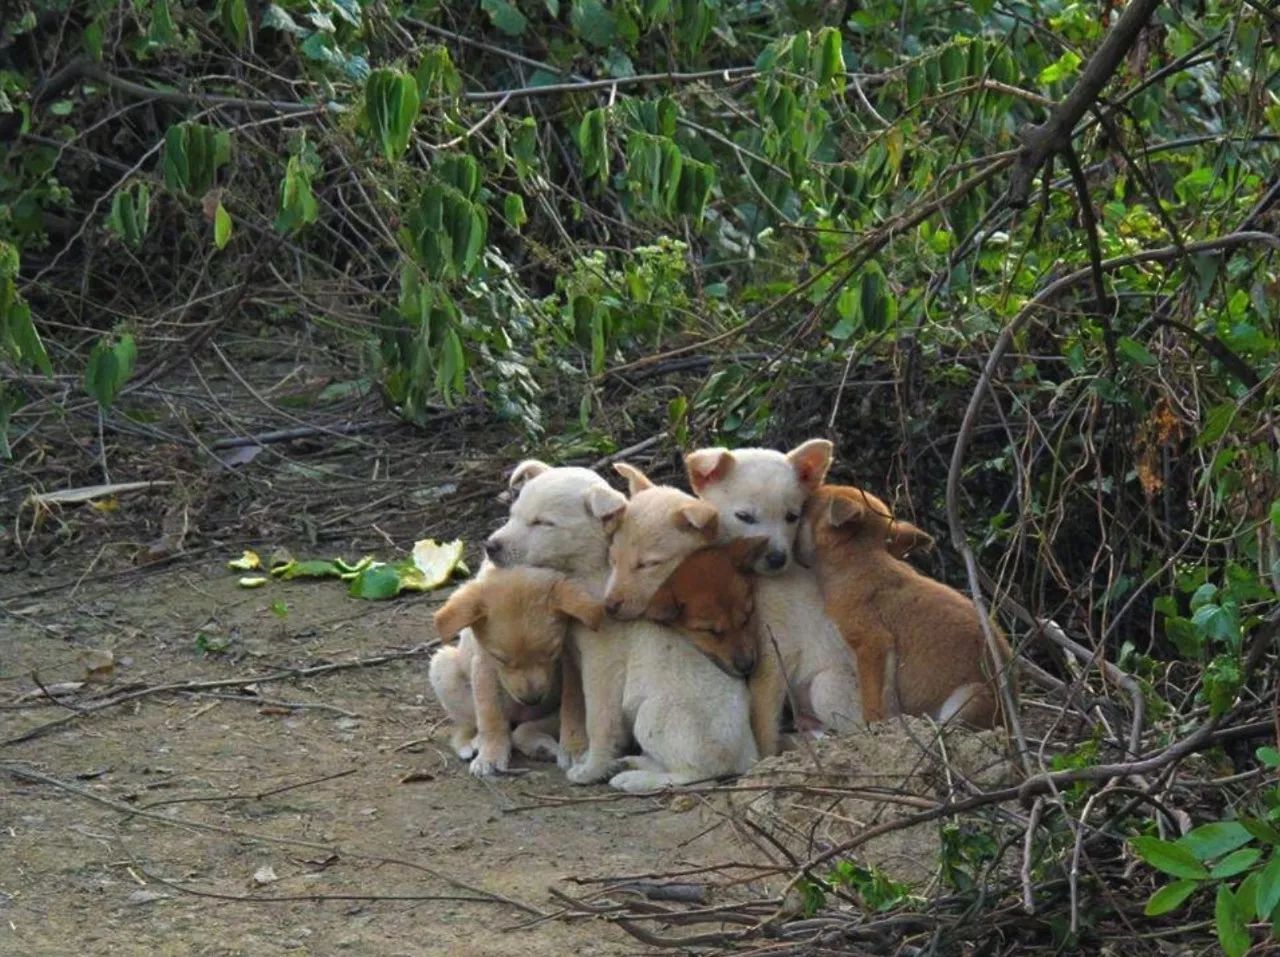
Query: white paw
(465, 751)
(541, 748)
(589, 772)
(486, 767)
(638, 782)
(564, 760)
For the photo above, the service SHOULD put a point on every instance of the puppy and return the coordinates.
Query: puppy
(640, 680)
(919, 644)
(762, 492)
(507, 665)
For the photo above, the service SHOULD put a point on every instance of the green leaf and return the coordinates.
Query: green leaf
(513, 210)
(1135, 352)
(234, 16)
(830, 56)
(1065, 66)
(1214, 839)
(592, 145)
(1170, 897)
(1236, 862)
(1268, 887)
(593, 23)
(162, 31)
(1168, 857)
(1261, 829)
(505, 16)
(1233, 935)
(391, 105)
(375, 583)
(221, 226)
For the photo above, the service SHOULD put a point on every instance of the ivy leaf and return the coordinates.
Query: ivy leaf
(505, 16)
(1168, 857)
(221, 226)
(1233, 934)
(1214, 839)
(1170, 897)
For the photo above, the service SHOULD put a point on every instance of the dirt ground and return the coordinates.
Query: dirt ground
(81, 876)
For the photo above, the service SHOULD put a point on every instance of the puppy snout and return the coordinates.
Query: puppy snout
(613, 605)
(744, 663)
(493, 549)
(776, 560)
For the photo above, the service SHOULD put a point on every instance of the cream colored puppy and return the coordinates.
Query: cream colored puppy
(506, 667)
(759, 492)
(640, 680)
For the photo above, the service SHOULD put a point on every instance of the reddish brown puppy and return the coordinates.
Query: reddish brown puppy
(919, 645)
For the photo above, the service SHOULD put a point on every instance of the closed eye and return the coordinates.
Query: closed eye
(792, 518)
(542, 521)
(746, 518)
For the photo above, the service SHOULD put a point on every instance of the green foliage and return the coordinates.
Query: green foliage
(391, 104)
(19, 339)
(1212, 855)
(193, 153)
(130, 214)
(110, 366)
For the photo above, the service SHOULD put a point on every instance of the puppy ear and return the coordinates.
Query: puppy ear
(606, 504)
(523, 473)
(663, 607)
(700, 517)
(637, 481)
(463, 609)
(706, 467)
(576, 602)
(811, 461)
(745, 552)
(842, 510)
(903, 538)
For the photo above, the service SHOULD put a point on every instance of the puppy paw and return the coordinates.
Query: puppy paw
(487, 766)
(541, 748)
(566, 759)
(465, 751)
(639, 781)
(590, 772)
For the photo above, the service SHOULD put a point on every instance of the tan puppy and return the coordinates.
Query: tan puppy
(507, 665)
(919, 644)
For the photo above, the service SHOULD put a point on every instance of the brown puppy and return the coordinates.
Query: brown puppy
(918, 643)
(710, 600)
(507, 666)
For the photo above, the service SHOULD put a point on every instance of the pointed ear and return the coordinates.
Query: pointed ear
(903, 538)
(637, 481)
(606, 504)
(745, 552)
(842, 510)
(463, 609)
(699, 517)
(706, 467)
(811, 460)
(576, 602)
(523, 473)
(663, 607)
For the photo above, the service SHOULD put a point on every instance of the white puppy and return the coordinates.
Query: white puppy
(759, 492)
(639, 679)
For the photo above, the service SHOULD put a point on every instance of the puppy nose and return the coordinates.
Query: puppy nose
(613, 606)
(492, 548)
(744, 664)
(776, 559)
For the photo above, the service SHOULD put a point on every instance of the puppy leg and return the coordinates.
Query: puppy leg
(875, 658)
(833, 696)
(768, 690)
(491, 718)
(972, 704)
(537, 739)
(604, 676)
(573, 711)
(449, 681)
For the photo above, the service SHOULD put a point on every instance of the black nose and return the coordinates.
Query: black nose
(613, 607)
(776, 560)
(492, 548)
(744, 665)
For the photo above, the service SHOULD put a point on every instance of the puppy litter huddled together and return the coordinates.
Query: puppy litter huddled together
(659, 637)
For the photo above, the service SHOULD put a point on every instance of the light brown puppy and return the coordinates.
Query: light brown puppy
(507, 666)
(919, 644)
